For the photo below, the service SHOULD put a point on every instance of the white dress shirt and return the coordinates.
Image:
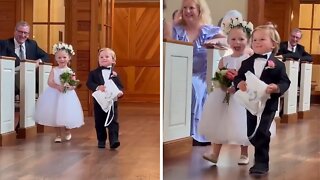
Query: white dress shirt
(259, 65)
(106, 74)
(17, 49)
(291, 48)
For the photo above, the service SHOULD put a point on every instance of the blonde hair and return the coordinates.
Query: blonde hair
(113, 54)
(273, 33)
(204, 12)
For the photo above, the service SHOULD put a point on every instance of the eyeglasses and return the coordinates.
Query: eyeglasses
(295, 37)
(22, 32)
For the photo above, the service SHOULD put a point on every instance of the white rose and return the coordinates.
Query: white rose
(250, 26)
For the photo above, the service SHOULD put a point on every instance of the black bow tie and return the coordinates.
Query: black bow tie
(261, 56)
(102, 67)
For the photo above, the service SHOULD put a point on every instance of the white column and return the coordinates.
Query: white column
(27, 93)
(178, 59)
(44, 71)
(7, 94)
(305, 87)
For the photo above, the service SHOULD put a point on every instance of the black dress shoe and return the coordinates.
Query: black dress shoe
(197, 143)
(115, 145)
(101, 144)
(258, 170)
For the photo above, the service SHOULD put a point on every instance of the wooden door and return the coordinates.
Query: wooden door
(136, 41)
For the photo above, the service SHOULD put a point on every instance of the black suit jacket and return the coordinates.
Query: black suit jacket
(300, 53)
(277, 76)
(33, 51)
(95, 79)
(5, 51)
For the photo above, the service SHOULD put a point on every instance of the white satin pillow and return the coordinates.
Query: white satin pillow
(255, 98)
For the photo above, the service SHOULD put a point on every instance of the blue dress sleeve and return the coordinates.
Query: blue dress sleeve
(209, 31)
(178, 33)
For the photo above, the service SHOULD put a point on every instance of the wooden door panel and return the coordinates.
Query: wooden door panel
(277, 14)
(136, 41)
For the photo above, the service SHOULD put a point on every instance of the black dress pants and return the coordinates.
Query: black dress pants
(261, 139)
(113, 127)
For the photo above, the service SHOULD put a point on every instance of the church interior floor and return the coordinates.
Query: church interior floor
(294, 154)
(39, 158)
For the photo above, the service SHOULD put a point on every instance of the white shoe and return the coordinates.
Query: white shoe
(68, 137)
(244, 160)
(57, 139)
(210, 157)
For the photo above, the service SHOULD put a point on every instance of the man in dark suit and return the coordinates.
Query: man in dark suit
(25, 48)
(292, 49)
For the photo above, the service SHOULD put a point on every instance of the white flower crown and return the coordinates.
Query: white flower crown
(63, 46)
(234, 23)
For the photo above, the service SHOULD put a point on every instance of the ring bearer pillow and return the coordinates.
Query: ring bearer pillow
(106, 99)
(255, 98)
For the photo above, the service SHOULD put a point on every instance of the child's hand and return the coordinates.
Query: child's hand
(231, 90)
(101, 88)
(120, 94)
(60, 88)
(272, 88)
(71, 87)
(242, 86)
(114, 74)
(231, 74)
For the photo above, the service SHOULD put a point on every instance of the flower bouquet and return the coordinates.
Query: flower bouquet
(68, 79)
(223, 79)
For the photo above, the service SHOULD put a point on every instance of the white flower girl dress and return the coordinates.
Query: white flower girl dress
(58, 109)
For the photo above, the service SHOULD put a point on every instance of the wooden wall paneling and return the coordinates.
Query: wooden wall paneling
(27, 13)
(94, 34)
(280, 16)
(78, 23)
(137, 45)
(8, 17)
(295, 6)
(278, 12)
(256, 12)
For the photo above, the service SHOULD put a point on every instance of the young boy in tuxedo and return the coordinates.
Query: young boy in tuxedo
(265, 44)
(96, 82)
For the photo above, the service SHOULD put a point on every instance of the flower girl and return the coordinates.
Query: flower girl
(223, 119)
(59, 106)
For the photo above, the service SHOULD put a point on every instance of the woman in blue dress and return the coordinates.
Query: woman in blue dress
(195, 26)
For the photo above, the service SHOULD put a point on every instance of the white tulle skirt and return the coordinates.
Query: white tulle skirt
(223, 123)
(59, 109)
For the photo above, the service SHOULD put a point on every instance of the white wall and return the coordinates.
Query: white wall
(218, 8)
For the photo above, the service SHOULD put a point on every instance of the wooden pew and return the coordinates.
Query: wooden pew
(290, 97)
(7, 73)
(44, 71)
(27, 127)
(214, 55)
(305, 91)
(178, 59)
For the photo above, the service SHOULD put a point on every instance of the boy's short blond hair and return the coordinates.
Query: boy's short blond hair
(273, 33)
(113, 54)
